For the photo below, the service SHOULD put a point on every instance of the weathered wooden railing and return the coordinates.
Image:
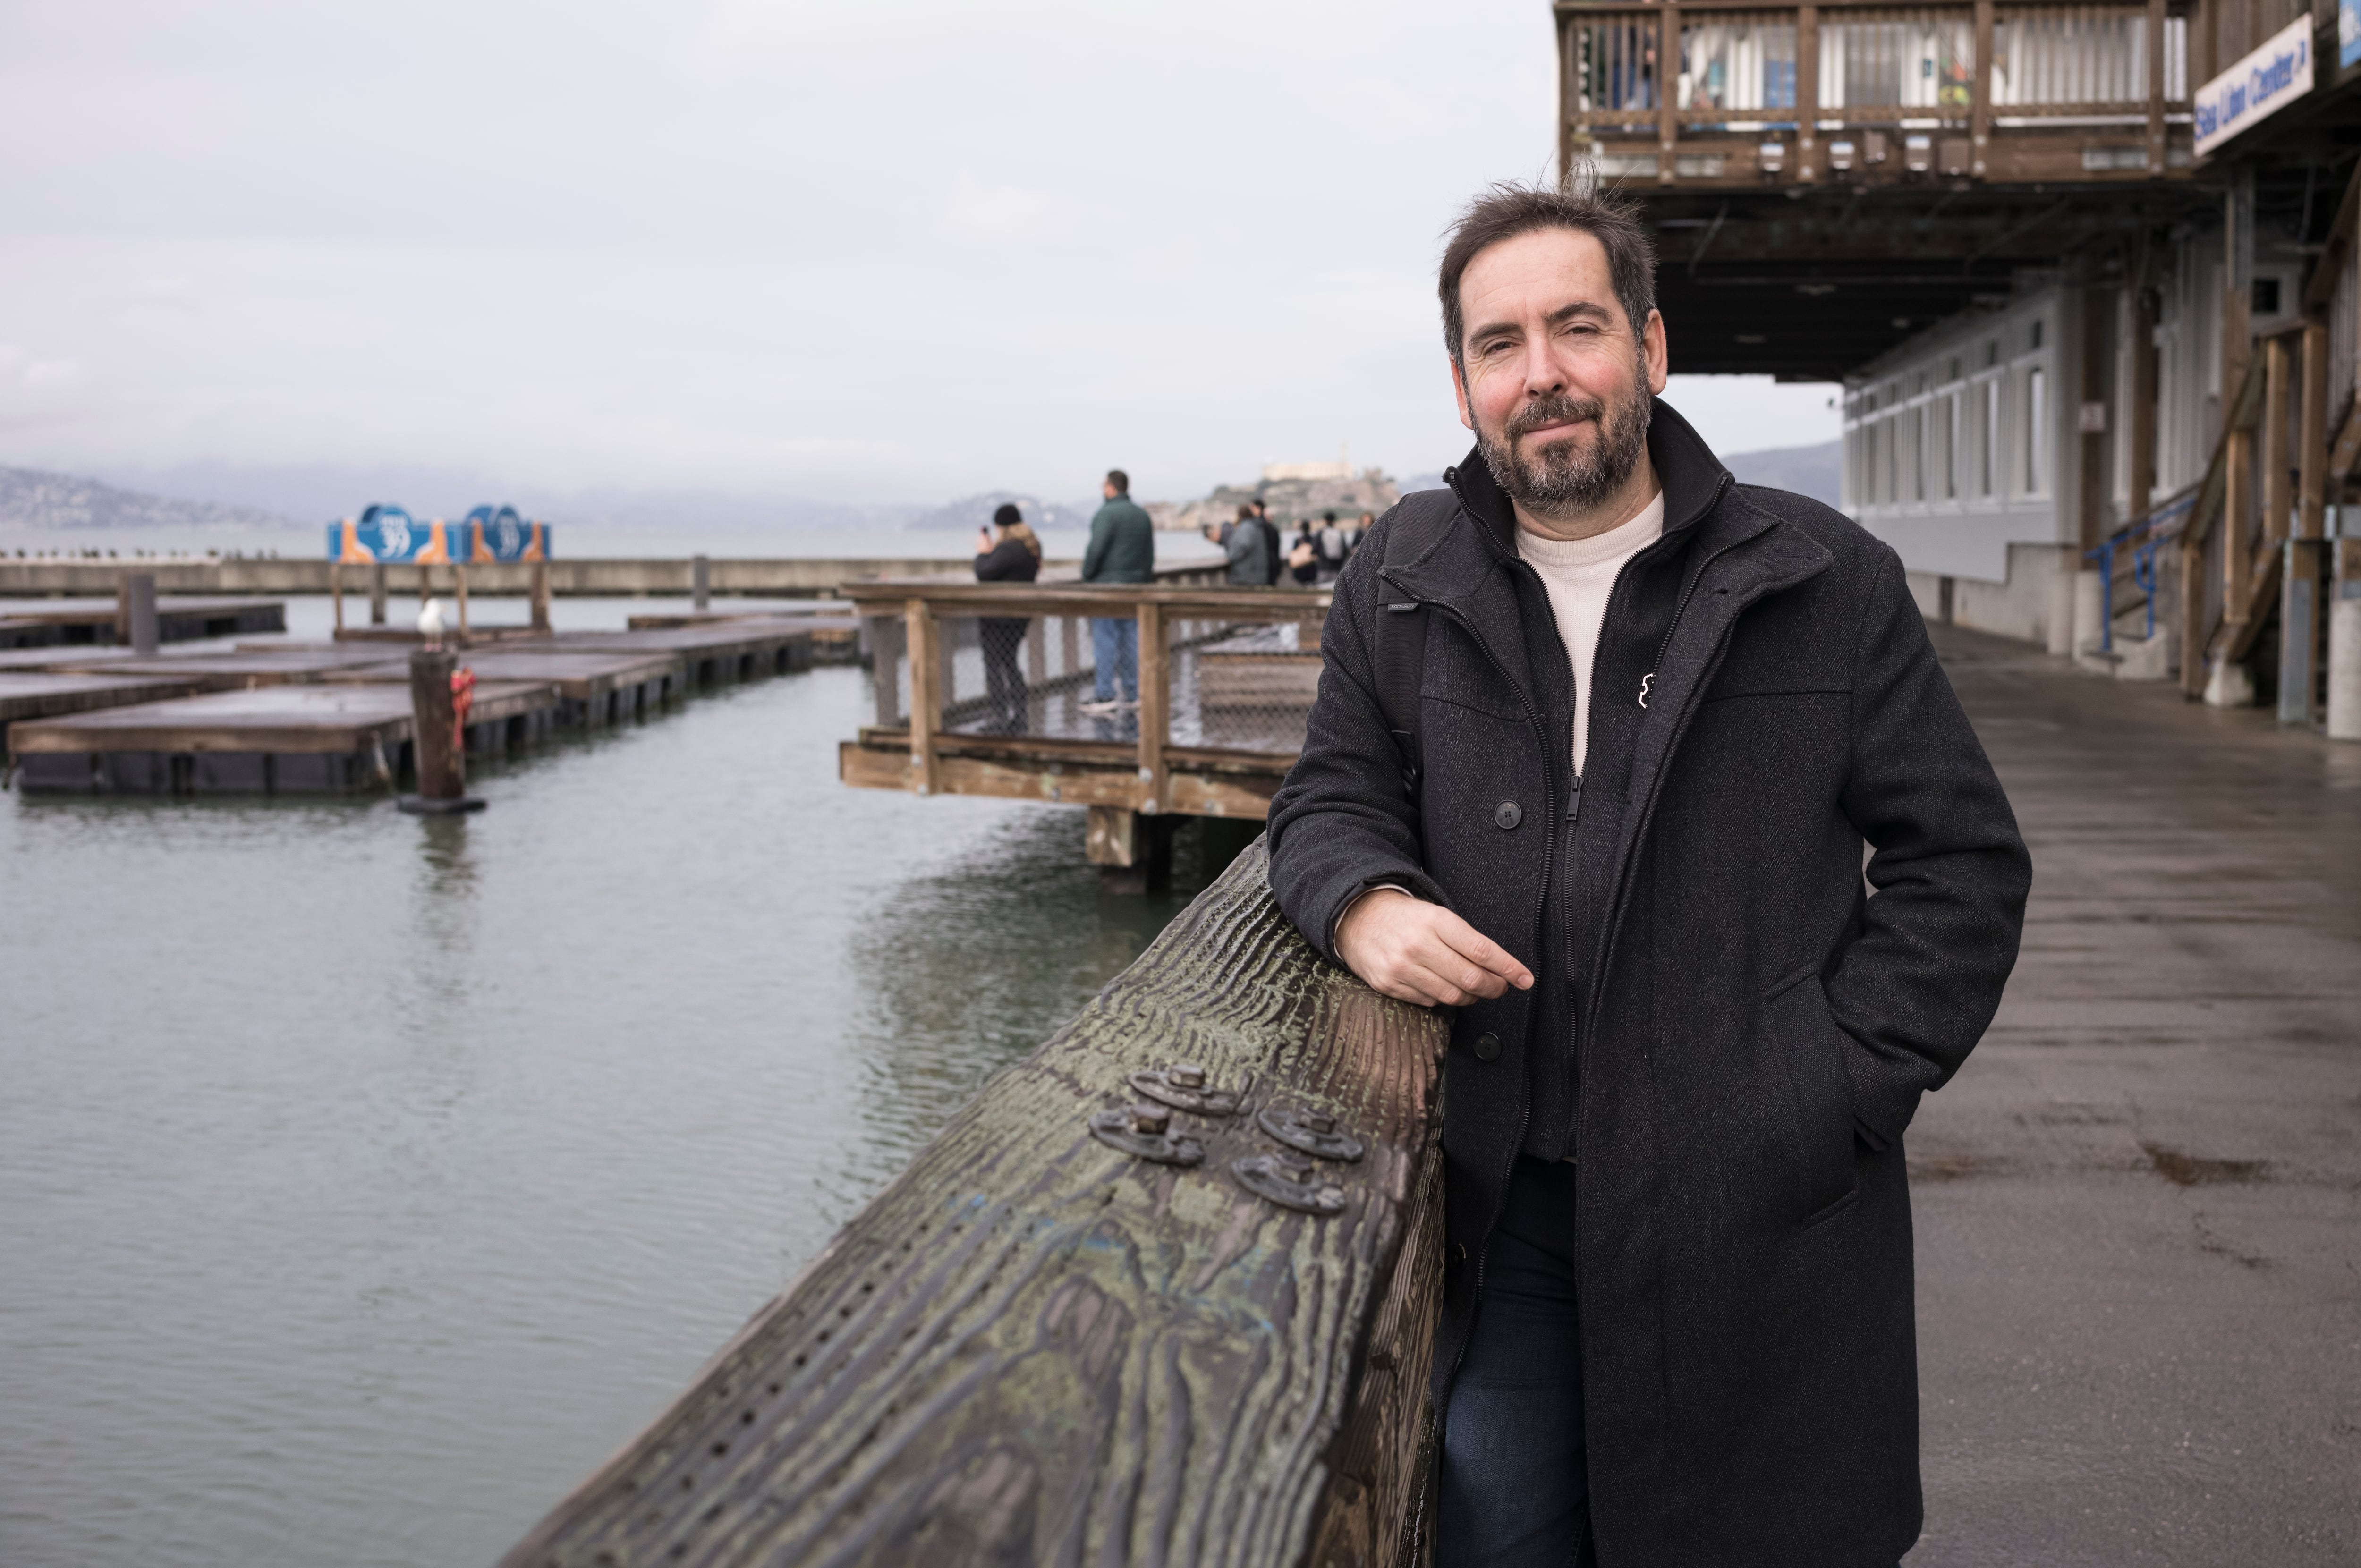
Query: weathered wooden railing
(994, 688)
(1038, 1346)
(1742, 92)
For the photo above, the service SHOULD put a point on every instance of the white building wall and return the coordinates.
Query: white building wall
(1952, 441)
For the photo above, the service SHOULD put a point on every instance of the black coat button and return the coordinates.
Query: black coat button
(1508, 814)
(1487, 1046)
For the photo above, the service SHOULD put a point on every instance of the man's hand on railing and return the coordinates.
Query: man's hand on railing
(1420, 952)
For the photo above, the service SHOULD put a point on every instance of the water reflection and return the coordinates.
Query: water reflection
(968, 968)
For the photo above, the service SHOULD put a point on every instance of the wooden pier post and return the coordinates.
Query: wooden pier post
(700, 582)
(1155, 708)
(926, 692)
(376, 594)
(1808, 93)
(540, 595)
(138, 613)
(434, 739)
(459, 576)
(336, 592)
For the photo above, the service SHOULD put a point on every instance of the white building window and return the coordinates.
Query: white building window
(1951, 447)
(2036, 401)
(1988, 440)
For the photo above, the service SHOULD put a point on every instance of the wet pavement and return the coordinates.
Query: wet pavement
(2139, 1204)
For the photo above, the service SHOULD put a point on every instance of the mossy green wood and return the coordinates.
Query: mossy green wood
(1033, 1348)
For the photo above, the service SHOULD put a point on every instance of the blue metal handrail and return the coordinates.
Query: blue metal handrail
(2153, 531)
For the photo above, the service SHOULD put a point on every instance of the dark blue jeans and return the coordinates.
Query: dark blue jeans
(1115, 654)
(1513, 1488)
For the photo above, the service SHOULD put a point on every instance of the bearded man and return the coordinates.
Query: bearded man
(1600, 784)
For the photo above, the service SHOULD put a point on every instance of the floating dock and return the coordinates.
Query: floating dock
(334, 718)
(231, 670)
(280, 739)
(592, 688)
(42, 694)
(99, 621)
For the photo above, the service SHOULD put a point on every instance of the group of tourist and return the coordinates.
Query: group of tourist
(1123, 550)
(1250, 542)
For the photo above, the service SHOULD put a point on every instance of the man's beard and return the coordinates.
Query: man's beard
(1569, 475)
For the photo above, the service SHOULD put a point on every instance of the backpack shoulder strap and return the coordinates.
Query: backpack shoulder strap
(1399, 650)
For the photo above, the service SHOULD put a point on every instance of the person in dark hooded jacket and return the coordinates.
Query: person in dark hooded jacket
(1015, 556)
(1613, 818)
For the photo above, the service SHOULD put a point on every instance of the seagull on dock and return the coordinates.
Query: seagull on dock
(430, 623)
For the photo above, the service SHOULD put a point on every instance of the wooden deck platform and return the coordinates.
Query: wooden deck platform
(41, 694)
(735, 647)
(286, 717)
(234, 670)
(92, 622)
(592, 688)
(993, 689)
(271, 739)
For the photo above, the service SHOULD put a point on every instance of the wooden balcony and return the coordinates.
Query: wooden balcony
(1859, 94)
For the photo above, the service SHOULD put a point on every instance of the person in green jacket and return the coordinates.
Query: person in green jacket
(1122, 550)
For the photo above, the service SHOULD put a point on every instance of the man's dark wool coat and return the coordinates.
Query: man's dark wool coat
(1725, 1033)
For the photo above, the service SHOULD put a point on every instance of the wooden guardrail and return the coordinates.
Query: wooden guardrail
(1225, 678)
(774, 577)
(1744, 93)
(1036, 1345)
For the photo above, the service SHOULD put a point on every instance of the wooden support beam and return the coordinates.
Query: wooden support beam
(2156, 159)
(1036, 1347)
(377, 594)
(2345, 455)
(2194, 633)
(2343, 233)
(1155, 707)
(924, 633)
(2311, 435)
(2264, 572)
(1668, 78)
(1194, 790)
(1565, 99)
(2237, 527)
(2278, 417)
(337, 591)
(1980, 91)
(540, 592)
(1808, 93)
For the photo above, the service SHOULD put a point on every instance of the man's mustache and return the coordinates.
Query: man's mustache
(1560, 410)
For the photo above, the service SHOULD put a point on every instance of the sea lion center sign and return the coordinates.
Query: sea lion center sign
(2256, 87)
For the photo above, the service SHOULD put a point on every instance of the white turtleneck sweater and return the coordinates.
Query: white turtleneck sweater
(1579, 573)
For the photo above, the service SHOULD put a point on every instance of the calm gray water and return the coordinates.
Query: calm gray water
(366, 1180)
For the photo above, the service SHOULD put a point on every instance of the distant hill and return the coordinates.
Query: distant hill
(30, 498)
(975, 511)
(1813, 471)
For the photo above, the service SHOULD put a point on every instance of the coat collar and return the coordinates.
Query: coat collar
(1455, 570)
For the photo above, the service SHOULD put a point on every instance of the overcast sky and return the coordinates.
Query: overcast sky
(845, 249)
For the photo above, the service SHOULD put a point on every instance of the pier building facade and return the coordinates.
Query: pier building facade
(2086, 272)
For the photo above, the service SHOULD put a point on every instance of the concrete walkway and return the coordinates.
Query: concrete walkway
(2139, 1204)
